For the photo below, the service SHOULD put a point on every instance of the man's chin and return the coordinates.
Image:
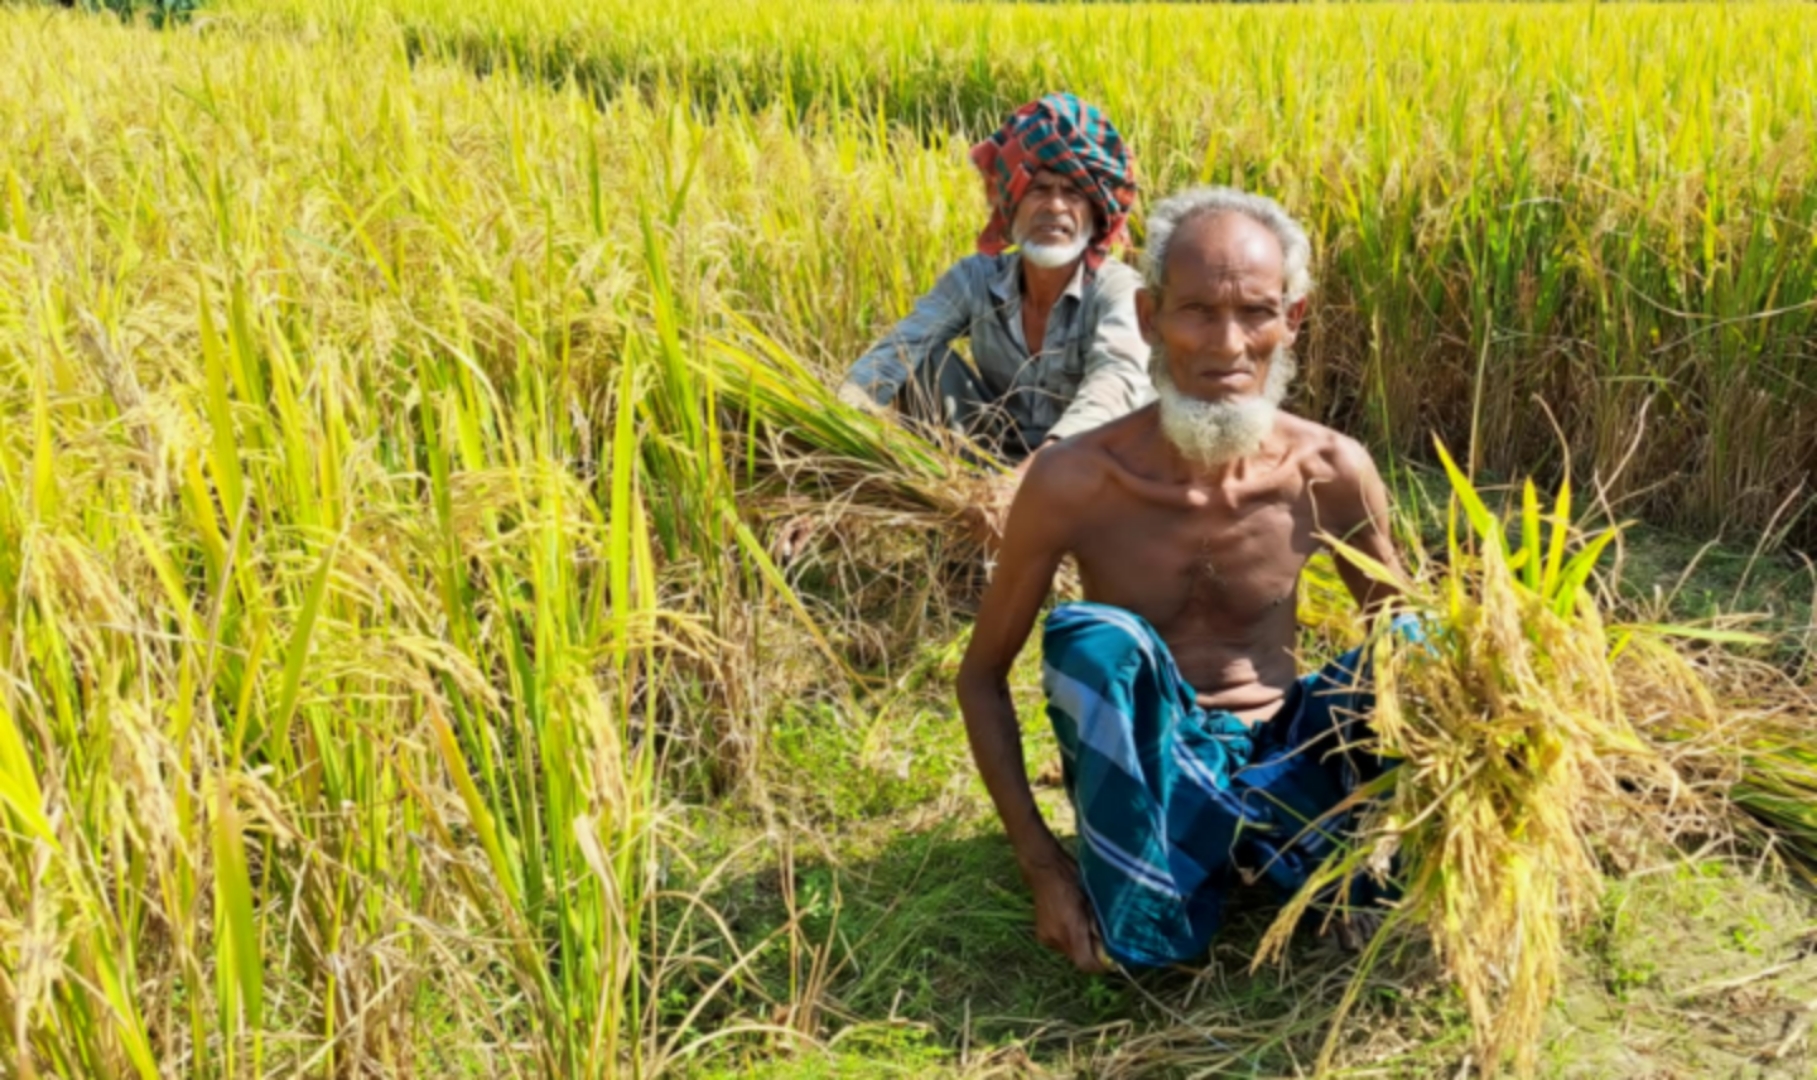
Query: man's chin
(1210, 431)
(1052, 256)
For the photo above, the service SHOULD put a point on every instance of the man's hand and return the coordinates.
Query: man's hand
(988, 509)
(1063, 917)
(856, 396)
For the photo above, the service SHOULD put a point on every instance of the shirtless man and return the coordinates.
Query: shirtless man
(1192, 748)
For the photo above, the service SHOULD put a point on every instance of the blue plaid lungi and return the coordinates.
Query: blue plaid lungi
(1174, 800)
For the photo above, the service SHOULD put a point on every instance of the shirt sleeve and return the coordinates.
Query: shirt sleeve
(937, 319)
(1116, 362)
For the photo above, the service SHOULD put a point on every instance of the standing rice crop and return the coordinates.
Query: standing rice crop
(1609, 209)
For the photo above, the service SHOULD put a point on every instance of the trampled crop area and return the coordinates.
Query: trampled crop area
(401, 400)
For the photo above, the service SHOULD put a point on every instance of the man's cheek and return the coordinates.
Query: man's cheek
(1183, 342)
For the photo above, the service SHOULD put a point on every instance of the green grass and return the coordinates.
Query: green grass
(916, 905)
(394, 679)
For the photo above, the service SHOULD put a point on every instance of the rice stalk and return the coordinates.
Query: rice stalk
(388, 446)
(1518, 766)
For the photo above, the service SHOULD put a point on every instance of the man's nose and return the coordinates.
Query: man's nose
(1226, 338)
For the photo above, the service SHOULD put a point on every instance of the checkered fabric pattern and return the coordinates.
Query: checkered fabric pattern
(1072, 138)
(1172, 799)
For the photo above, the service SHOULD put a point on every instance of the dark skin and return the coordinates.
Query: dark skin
(1210, 555)
(1053, 212)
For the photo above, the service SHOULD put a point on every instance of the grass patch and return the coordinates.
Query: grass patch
(932, 970)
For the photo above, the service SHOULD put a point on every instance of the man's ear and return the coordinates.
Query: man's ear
(1146, 304)
(1296, 315)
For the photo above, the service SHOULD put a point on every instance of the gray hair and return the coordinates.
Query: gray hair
(1176, 210)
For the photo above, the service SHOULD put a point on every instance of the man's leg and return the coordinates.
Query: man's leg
(945, 394)
(1311, 756)
(1147, 771)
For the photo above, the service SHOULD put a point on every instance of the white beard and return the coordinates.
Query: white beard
(1050, 256)
(1210, 433)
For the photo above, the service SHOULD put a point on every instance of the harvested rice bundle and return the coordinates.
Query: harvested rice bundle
(1516, 758)
(1750, 740)
(1778, 786)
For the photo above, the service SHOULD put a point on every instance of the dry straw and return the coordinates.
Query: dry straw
(388, 452)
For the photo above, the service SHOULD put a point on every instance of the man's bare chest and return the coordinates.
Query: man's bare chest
(1233, 565)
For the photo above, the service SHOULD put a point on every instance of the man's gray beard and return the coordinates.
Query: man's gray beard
(1209, 433)
(1050, 256)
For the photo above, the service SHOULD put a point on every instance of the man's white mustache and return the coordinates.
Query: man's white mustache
(1213, 432)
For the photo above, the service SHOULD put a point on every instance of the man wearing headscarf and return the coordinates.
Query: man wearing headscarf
(1055, 349)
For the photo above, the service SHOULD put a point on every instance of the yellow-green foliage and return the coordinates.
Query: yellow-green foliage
(1610, 208)
(328, 600)
(369, 540)
(1519, 727)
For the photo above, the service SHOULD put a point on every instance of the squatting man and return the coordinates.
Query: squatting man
(1049, 312)
(1193, 751)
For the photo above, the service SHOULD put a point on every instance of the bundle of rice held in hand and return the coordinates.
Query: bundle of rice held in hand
(1537, 744)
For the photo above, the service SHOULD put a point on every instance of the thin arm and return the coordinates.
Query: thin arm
(938, 317)
(1032, 549)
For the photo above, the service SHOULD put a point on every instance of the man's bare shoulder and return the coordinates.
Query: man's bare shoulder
(1070, 472)
(1078, 470)
(1329, 454)
(1347, 492)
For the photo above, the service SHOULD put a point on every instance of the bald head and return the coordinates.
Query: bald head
(1226, 247)
(1221, 217)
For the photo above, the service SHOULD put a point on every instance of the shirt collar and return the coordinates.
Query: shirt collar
(1008, 280)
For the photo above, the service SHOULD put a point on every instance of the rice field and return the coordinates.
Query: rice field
(400, 397)
(1608, 209)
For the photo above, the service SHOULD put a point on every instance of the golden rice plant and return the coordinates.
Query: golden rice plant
(387, 450)
(341, 609)
(1519, 764)
(1609, 208)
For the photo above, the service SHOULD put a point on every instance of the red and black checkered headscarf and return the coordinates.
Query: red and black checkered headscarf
(1074, 139)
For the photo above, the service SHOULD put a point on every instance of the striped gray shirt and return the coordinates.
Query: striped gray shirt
(1093, 363)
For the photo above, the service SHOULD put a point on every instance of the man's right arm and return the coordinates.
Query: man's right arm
(938, 318)
(1034, 541)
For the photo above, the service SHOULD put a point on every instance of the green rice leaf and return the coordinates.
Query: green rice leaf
(1482, 522)
(1577, 571)
(241, 972)
(296, 650)
(19, 783)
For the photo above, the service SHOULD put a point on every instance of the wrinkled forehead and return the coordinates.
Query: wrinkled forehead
(1219, 250)
(1047, 178)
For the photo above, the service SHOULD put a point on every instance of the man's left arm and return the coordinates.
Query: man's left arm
(1116, 358)
(1354, 506)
